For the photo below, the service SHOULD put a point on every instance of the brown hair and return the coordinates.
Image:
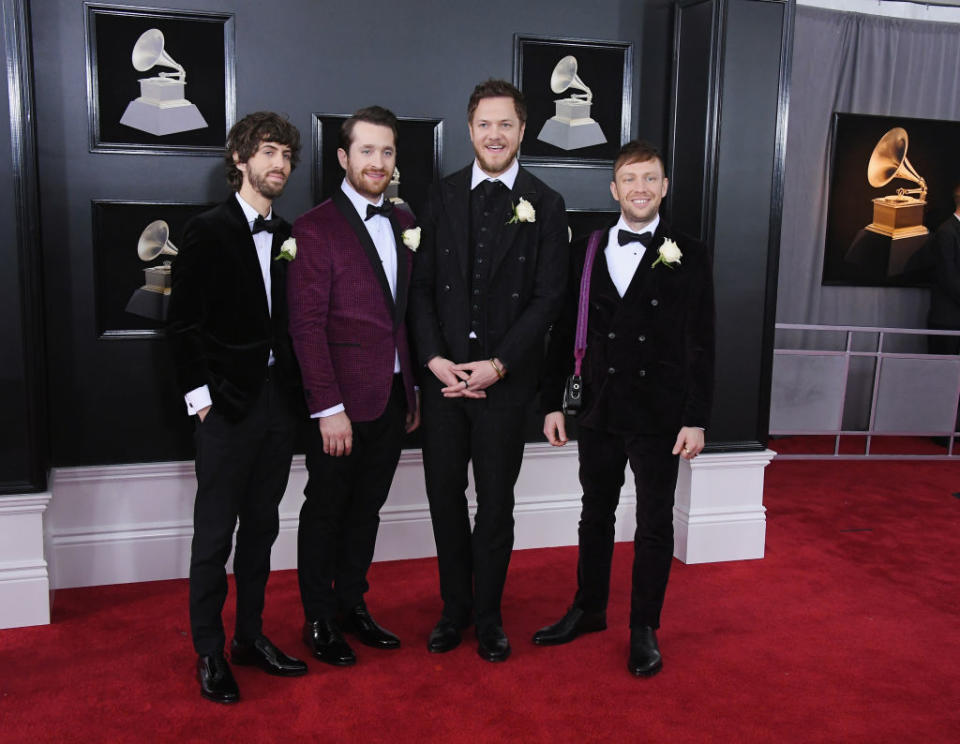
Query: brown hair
(372, 115)
(247, 134)
(497, 89)
(637, 151)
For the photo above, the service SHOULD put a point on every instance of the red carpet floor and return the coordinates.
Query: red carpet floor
(845, 632)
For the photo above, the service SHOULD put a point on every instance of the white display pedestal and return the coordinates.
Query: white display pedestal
(718, 514)
(24, 581)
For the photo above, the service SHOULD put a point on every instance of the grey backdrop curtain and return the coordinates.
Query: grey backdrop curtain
(859, 64)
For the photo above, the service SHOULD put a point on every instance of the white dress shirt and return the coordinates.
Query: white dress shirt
(199, 398)
(507, 178)
(381, 233)
(622, 260)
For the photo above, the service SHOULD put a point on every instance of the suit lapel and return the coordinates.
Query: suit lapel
(645, 273)
(346, 208)
(403, 271)
(241, 236)
(523, 187)
(278, 268)
(456, 202)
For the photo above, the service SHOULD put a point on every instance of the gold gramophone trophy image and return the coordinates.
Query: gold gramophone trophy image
(150, 300)
(162, 107)
(898, 215)
(882, 249)
(571, 127)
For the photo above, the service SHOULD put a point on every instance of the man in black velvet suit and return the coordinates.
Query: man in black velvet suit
(488, 281)
(647, 387)
(944, 312)
(228, 332)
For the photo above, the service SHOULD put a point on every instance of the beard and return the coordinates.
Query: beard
(502, 162)
(365, 186)
(262, 186)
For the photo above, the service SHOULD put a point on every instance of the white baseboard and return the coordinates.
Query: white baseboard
(127, 523)
(24, 581)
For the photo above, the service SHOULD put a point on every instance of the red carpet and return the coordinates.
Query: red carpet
(845, 632)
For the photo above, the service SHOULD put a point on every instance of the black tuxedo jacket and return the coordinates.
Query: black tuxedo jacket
(525, 289)
(220, 328)
(648, 367)
(945, 291)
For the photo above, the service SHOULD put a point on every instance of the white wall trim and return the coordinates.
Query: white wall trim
(24, 579)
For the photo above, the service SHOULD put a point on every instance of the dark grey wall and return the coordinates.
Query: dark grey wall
(114, 400)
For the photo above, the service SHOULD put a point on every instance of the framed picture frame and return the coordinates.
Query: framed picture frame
(130, 250)
(159, 82)
(879, 219)
(419, 157)
(579, 96)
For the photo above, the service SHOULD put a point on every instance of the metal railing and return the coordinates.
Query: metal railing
(895, 411)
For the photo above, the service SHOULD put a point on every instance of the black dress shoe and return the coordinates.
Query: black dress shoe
(444, 637)
(359, 622)
(262, 653)
(645, 659)
(575, 622)
(327, 644)
(216, 679)
(492, 643)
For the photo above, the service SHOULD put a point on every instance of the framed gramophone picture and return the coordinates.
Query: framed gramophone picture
(159, 81)
(419, 158)
(134, 246)
(891, 185)
(578, 94)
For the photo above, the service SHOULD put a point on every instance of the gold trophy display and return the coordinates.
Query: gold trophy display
(571, 127)
(150, 300)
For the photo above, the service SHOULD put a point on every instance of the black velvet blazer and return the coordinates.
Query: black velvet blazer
(220, 328)
(648, 368)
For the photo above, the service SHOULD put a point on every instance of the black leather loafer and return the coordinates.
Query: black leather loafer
(444, 637)
(492, 643)
(327, 644)
(575, 622)
(358, 622)
(216, 679)
(262, 653)
(645, 659)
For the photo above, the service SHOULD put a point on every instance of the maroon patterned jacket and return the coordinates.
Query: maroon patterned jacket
(344, 322)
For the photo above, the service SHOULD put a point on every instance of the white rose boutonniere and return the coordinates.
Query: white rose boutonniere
(288, 250)
(669, 254)
(523, 212)
(411, 238)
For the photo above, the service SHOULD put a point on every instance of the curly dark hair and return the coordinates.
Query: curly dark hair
(497, 89)
(247, 134)
(637, 151)
(372, 115)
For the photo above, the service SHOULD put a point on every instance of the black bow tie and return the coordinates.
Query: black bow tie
(625, 236)
(271, 225)
(491, 187)
(385, 209)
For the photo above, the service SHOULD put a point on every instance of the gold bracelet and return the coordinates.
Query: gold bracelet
(496, 369)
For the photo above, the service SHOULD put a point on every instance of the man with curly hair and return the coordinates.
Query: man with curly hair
(227, 326)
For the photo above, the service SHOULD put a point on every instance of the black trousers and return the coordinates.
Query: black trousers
(341, 515)
(473, 564)
(242, 470)
(603, 457)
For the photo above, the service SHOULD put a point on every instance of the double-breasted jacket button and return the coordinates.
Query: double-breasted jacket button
(446, 251)
(612, 371)
(476, 292)
(654, 302)
(641, 338)
(515, 296)
(521, 259)
(642, 373)
(446, 287)
(611, 335)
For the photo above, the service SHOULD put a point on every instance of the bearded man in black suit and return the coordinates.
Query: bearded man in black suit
(235, 364)
(647, 379)
(488, 280)
(944, 312)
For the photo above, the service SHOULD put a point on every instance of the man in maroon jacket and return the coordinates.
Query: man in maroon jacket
(347, 296)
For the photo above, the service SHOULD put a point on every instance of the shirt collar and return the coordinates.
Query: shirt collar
(249, 212)
(651, 228)
(507, 178)
(358, 201)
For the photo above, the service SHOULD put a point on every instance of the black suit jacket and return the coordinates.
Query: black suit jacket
(945, 291)
(526, 284)
(220, 328)
(648, 368)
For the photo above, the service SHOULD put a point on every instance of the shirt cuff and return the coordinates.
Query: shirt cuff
(198, 399)
(339, 408)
